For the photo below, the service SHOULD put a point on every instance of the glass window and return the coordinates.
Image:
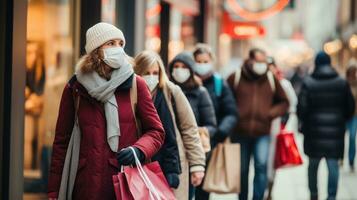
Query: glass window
(152, 31)
(49, 65)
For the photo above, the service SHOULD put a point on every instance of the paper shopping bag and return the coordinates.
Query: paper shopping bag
(223, 173)
(142, 189)
(121, 187)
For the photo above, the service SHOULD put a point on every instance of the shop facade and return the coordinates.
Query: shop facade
(40, 42)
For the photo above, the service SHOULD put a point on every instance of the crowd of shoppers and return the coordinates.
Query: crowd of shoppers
(116, 109)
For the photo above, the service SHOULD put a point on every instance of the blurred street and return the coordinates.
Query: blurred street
(258, 71)
(291, 183)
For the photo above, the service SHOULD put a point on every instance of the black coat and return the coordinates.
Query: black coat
(325, 105)
(168, 155)
(202, 107)
(225, 109)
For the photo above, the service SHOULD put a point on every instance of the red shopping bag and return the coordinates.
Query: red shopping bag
(140, 189)
(286, 153)
(121, 187)
(144, 182)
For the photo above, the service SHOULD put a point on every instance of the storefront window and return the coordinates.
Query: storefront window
(152, 32)
(49, 65)
(181, 32)
(108, 11)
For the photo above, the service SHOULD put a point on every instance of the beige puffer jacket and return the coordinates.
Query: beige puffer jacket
(192, 156)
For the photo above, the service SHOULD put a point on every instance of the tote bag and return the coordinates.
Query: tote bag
(144, 182)
(286, 153)
(223, 173)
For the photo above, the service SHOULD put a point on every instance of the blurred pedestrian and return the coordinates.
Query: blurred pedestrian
(89, 107)
(148, 65)
(288, 121)
(181, 70)
(221, 96)
(259, 98)
(191, 154)
(351, 76)
(325, 104)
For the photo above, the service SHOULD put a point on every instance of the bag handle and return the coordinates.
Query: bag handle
(134, 103)
(237, 77)
(153, 191)
(271, 80)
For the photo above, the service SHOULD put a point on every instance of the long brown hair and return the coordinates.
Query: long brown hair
(94, 62)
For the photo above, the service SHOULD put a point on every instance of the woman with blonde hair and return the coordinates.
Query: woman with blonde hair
(96, 124)
(166, 94)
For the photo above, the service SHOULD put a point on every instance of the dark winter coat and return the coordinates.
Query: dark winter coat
(325, 105)
(168, 156)
(224, 106)
(97, 163)
(196, 94)
(258, 104)
(202, 107)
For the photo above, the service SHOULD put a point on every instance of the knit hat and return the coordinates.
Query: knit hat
(101, 33)
(322, 58)
(186, 58)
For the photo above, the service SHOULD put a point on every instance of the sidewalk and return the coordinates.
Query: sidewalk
(291, 184)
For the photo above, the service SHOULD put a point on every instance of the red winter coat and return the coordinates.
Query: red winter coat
(97, 163)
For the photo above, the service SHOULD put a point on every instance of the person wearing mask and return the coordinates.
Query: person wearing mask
(288, 121)
(325, 104)
(166, 94)
(260, 99)
(351, 76)
(181, 70)
(97, 100)
(221, 96)
(219, 91)
(148, 65)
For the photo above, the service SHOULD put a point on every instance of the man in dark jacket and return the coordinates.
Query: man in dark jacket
(325, 105)
(260, 99)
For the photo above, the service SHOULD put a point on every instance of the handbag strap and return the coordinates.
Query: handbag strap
(152, 190)
(76, 98)
(134, 103)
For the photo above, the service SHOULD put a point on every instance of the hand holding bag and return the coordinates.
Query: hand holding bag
(287, 153)
(223, 173)
(145, 182)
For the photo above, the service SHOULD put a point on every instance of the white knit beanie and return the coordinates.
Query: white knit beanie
(101, 33)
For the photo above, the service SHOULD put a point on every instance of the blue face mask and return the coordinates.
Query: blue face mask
(203, 68)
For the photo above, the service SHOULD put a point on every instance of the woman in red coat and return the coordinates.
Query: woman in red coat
(107, 124)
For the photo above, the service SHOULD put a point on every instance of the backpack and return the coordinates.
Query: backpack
(218, 84)
(270, 75)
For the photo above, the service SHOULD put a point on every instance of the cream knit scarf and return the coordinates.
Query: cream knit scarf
(103, 90)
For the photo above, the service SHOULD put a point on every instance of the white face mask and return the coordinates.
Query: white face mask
(203, 68)
(181, 75)
(260, 68)
(151, 81)
(115, 57)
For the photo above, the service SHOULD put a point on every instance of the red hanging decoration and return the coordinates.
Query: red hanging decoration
(256, 16)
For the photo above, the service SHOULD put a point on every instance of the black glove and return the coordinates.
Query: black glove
(219, 137)
(126, 156)
(173, 180)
